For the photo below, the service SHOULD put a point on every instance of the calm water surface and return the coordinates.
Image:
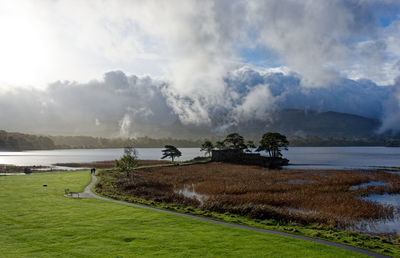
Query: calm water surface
(300, 157)
(47, 158)
(384, 225)
(342, 157)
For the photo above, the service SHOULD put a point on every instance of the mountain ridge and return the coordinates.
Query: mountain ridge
(310, 123)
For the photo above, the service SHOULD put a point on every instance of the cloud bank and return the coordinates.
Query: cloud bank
(129, 105)
(198, 64)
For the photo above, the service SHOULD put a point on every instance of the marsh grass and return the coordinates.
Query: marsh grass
(286, 195)
(110, 163)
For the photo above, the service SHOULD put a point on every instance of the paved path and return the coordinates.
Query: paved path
(89, 194)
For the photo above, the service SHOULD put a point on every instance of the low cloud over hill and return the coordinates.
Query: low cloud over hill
(129, 105)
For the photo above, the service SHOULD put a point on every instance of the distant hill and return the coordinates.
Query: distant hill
(89, 142)
(300, 123)
(19, 142)
(304, 128)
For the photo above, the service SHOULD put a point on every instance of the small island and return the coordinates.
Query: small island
(234, 150)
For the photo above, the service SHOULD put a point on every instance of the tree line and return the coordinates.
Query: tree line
(88, 142)
(20, 142)
(336, 142)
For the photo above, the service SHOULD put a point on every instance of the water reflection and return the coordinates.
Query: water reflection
(383, 225)
(189, 192)
(370, 183)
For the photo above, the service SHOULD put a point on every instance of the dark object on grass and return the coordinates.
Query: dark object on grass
(44, 185)
(27, 171)
(71, 194)
(198, 158)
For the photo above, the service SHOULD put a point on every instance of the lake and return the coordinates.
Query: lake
(342, 157)
(300, 157)
(49, 157)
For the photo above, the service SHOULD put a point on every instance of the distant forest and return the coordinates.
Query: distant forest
(88, 142)
(20, 142)
(336, 142)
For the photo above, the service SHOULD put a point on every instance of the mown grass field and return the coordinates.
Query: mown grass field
(37, 221)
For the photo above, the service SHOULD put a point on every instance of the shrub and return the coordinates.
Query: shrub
(128, 161)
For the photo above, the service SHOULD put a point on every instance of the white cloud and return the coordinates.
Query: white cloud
(192, 51)
(122, 105)
(194, 43)
(391, 117)
(256, 104)
(125, 126)
(314, 38)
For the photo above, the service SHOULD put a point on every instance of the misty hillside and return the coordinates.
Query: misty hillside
(291, 122)
(303, 126)
(294, 122)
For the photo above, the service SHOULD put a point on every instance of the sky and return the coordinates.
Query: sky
(129, 68)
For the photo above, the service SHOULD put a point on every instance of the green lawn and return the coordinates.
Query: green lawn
(40, 222)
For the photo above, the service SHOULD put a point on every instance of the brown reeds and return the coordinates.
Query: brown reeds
(110, 164)
(291, 195)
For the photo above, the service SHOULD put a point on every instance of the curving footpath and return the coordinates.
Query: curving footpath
(89, 194)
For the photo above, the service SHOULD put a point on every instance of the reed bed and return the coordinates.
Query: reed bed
(109, 163)
(289, 195)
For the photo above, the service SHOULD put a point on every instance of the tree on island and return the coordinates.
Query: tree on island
(272, 143)
(207, 147)
(220, 145)
(170, 151)
(250, 145)
(128, 161)
(235, 141)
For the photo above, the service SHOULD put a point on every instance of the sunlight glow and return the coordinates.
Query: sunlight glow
(24, 50)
